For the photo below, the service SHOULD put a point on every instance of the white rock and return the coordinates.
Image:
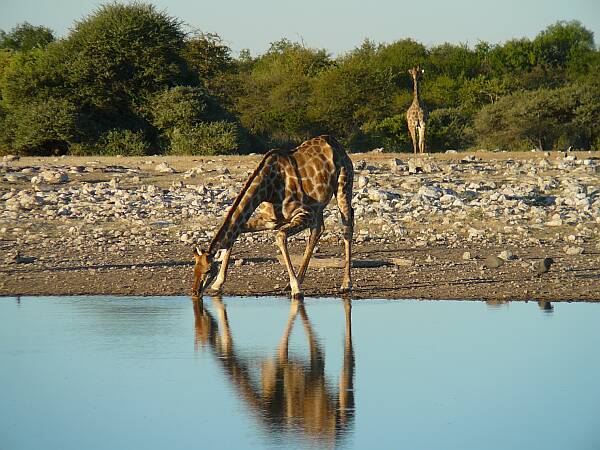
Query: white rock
(163, 167)
(507, 255)
(574, 251)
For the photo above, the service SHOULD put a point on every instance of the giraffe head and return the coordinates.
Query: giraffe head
(205, 271)
(416, 73)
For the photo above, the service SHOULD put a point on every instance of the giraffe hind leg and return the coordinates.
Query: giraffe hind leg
(344, 201)
(422, 138)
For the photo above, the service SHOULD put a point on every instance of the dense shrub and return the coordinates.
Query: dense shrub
(208, 138)
(545, 119)
(41, 127)
(178, 107)
(391, 133)
(449, 128)
(123, 142)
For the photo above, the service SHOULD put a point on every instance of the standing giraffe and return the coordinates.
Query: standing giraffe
(416, 115)
(292, 187)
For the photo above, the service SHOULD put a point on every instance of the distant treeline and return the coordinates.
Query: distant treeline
(128, 80)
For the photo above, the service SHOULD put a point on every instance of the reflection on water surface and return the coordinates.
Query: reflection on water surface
(290, 394)
(168, 372)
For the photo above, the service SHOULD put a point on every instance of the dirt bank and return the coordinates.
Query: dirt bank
(122, 226)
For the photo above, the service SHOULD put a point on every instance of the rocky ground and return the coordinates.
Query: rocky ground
(85, 225)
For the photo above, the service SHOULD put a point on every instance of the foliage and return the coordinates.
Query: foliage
(205, 138)
(123, 142)
(542, 118)
(211, 64)
(26, 37)
(128, 80)
(177, 107)
(449, 128)
(41, 127)
(275, 92)
(124, 53)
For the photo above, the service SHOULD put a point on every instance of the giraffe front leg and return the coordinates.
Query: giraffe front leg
(315, 234)
(222, 276)
(413, 136)
(298, 223)
(282, 244)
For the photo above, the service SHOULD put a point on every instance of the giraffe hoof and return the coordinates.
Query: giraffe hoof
(297, 296)
(346, 288)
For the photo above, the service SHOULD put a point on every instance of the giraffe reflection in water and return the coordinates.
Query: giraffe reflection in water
(289, 394)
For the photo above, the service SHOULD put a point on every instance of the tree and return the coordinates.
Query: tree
(542, 118)
(122, 54)
(454, 61)
(275, 92)
(351, 94)
(25, 37)
(210, 60)
(562, 43)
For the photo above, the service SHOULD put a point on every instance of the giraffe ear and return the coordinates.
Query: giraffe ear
(197, 251)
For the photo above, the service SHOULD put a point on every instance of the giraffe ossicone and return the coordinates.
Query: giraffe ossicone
(287, 192)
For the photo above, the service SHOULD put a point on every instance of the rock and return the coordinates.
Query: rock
(556, 222)
(493, 262)
(396, 165)
(403, 262)
(571, 251)
(9, 158)
(362, 181)
(467, 256)
(543, 266)
(51, 177)
(430, 191)
(417, 166)
(507, 255)
(20, 259)
(163, 167)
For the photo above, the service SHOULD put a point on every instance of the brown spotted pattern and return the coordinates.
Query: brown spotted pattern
(416, 116)
(287, 192)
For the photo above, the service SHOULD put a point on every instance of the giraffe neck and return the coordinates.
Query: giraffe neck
(416, 92)
(243, 206)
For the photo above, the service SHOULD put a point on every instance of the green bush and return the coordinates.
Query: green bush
(391, 133)
(449, 129)
(545, 118)
(123, 142)
(206, 138)
(121, 54)
(42, 127)
(178, 107)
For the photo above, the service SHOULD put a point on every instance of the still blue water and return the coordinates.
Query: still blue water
(245, 373)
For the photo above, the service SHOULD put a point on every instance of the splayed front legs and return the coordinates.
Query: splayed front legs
(298, 223)
(222, 276)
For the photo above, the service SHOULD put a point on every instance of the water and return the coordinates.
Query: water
(163, 372)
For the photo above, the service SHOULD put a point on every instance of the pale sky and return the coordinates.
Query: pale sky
(336, 25)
